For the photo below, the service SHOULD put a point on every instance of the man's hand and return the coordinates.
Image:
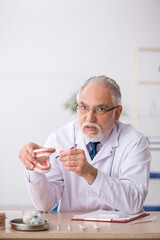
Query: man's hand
(75, 160)
(27, 155)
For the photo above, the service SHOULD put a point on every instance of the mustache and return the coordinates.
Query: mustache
(90, 124)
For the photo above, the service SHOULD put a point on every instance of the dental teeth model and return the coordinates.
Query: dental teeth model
(43, 157)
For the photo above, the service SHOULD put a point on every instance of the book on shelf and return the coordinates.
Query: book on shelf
(153, 140)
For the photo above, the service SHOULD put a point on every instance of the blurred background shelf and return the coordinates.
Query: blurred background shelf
(152, 202)
(146, 114)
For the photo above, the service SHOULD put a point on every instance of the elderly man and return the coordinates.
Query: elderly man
(109, 166)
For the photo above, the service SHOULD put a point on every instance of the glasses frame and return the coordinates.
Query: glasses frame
(95, 109)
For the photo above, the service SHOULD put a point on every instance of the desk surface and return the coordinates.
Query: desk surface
(150, 230)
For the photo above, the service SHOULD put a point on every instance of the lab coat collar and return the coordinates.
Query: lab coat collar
(107, 149)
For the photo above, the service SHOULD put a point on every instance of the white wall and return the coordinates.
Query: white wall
(47, 50)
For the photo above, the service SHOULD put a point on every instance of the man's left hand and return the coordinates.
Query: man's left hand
(75, 160)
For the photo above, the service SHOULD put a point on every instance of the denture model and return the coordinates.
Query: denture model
(43, 157)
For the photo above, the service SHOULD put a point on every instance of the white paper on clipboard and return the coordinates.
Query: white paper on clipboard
(108, 216)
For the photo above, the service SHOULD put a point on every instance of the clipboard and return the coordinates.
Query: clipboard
(109, 216)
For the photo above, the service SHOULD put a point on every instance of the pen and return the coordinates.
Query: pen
(146, 221)
(58, 155)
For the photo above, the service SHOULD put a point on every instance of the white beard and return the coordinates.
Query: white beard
(95, 138)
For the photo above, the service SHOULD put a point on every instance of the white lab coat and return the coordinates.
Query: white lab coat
(123, 165)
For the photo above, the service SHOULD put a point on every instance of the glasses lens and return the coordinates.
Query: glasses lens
(97, 110)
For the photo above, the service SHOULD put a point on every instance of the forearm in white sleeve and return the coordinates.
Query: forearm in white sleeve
(44, 194)
(32, 176)
(46, 189)
(127, 191)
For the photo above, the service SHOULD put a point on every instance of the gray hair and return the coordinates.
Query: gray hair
(105, 82)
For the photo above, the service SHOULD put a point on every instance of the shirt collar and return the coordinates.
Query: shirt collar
(111, 140)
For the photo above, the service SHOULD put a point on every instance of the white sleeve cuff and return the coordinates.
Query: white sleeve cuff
(95, 187)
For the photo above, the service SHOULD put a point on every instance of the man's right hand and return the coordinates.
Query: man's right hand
(27, 155)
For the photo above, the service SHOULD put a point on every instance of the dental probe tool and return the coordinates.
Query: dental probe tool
(58, 155)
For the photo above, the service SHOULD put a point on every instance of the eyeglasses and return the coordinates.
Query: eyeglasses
(96, 110)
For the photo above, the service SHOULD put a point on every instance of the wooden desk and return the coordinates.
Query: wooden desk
(150, 230)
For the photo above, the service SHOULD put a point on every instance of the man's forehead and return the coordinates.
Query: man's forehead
(96, 93)
(95, 87)
(97, 105)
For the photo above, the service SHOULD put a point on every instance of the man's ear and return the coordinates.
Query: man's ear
(118, 113)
